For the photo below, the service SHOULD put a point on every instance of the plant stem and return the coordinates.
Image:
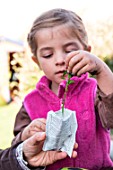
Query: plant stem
(66, 89)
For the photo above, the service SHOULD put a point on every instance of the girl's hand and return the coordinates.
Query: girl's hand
(37, 125)
(80, 62)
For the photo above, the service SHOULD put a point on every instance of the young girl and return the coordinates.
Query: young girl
(59, 42)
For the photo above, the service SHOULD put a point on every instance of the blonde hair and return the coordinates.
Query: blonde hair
(56, 17)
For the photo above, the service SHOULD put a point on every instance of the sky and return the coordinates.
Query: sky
(16, 16)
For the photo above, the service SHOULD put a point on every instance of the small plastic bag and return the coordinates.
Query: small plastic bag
(61, 131)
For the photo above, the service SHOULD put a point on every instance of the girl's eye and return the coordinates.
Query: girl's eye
(47, 56)
(68, 51)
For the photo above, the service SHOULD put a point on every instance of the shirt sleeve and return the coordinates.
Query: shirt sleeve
(22, 120)
(8, 159)
(104, 107)
(22, 162)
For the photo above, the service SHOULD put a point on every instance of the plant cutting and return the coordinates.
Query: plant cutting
(68, 82)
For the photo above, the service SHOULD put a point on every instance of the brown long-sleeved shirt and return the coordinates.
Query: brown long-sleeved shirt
(8, 159)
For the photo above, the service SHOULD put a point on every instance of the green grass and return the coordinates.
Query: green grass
(7, 118)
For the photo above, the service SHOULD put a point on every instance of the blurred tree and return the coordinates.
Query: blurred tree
(28, 76)
(109, 61)
(14, 68)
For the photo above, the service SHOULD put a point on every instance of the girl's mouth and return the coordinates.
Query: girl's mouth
(60, 72)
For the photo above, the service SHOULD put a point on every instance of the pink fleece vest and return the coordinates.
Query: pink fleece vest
(93, 140)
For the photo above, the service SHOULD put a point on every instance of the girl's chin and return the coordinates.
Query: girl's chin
(58, 81)
(59, 76)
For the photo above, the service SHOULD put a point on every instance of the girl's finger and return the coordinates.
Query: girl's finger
(70, 56)
(83, 70)
(77, 67)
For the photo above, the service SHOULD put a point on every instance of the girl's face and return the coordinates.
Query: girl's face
(54, 44)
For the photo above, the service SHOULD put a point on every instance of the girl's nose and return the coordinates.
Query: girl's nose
(60, 60)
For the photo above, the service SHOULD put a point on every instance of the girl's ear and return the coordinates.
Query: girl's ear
(36, 61)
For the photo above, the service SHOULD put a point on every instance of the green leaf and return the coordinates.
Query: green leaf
(70, 82)
(69, 75)
(65, 72)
